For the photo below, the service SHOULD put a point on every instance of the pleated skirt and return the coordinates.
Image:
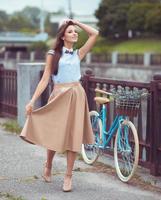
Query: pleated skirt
(63, 123)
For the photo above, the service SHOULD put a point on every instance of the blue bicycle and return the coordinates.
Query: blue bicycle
(126, 145)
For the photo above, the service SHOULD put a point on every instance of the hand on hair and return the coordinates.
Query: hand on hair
(72, 20)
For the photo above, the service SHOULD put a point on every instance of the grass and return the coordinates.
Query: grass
(129, 46)
(43, 198)
(8, 196)
(12, 126)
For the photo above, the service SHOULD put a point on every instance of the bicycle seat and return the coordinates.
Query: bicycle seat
(101, 100)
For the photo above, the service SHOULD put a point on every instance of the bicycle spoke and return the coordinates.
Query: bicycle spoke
(91, 152)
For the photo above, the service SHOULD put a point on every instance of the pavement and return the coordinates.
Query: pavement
(21, 169)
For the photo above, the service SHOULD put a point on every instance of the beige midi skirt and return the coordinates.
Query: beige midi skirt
(63, 123)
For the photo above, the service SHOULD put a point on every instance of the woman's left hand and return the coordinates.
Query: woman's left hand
(76, 22)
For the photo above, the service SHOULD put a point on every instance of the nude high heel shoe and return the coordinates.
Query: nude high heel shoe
(67, 186)
(47, 170)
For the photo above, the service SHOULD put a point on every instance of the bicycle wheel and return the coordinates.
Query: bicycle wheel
(126, 150)
(90, 152)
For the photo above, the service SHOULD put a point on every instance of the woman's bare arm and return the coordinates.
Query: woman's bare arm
(92, 33)
(41, 85)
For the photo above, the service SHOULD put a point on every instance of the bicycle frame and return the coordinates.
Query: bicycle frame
(107, 135)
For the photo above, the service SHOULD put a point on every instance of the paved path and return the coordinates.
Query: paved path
(21, 169)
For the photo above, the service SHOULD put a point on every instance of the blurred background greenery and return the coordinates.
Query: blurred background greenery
(128, 26)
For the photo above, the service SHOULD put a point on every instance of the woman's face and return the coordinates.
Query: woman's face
(70, 35)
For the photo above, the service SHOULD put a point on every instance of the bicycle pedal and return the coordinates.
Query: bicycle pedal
(107, 147)
(101, 147)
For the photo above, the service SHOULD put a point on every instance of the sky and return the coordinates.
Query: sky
(78, 6)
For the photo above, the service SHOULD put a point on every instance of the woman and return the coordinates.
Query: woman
(63, 124)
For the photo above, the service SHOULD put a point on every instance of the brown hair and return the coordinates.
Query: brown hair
(59, 43)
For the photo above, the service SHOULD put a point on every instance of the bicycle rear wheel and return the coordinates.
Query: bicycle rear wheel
(90, 152)
(126, 150)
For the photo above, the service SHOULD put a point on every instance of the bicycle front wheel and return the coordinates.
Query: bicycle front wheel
(90, 152)
(126, 150)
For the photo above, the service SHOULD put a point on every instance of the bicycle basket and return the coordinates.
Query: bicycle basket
(127, 107)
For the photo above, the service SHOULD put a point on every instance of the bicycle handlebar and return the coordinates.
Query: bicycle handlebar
(103, 92)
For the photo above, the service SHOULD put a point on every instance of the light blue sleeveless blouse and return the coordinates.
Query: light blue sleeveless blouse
(68, 67)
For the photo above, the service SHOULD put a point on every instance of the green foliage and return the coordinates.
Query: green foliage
(18, 22)
(137, 16)
(112, 16)
(82, 39)
(3, 20)
(38, 46)
(50, 28)
(32, 14)
(12, 126)
(116, 17)
(128, 46)
(8, 196)
(153, 20)
(43, 198)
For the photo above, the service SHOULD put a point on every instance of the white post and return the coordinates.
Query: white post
(18, 57)
(147, 59)
(114, 58)
(32, 56)
(6, 56)
(88, 58)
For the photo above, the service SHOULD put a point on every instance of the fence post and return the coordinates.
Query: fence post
(6, 54)
(88, 58)
(27, 79)
(88, 73)
(114, 58)
(18, 56)
(147, 59)
(155, 123)
(32, 56)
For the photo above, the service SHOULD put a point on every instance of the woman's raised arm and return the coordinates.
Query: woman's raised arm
(92, 33)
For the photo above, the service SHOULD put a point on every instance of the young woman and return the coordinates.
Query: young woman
(63, 124)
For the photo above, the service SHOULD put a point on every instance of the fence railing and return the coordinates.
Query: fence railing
(8, 92)
(101, 58)
(137, 59)
(146, 59)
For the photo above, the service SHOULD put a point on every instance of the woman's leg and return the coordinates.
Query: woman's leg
(71, 156)
(50, 155)
(48, 165)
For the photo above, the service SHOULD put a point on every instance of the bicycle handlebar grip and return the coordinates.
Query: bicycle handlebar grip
(103, 92)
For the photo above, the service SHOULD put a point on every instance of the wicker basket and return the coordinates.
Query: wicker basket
(127, 107)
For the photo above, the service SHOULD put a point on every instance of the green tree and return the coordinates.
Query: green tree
(153, 20)
(137, 16)
(32, 14)
(113, 16)
(3, 20)
(18, 23)
(38, 47)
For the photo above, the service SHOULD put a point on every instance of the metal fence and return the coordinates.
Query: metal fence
(148, 122)
(8, 92)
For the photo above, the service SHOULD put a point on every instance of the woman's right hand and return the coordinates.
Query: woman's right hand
(29, 108)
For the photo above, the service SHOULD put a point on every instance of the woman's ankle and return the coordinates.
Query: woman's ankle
(68, 174)
(48, 165)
